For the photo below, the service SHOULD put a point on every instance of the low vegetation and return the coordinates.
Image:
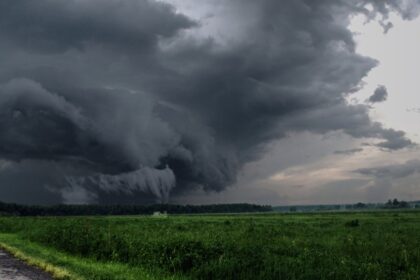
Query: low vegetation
(370, 245)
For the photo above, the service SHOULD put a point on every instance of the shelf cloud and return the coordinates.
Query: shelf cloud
(122, 94)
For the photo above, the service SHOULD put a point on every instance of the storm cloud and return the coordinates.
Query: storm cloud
(129, 103)
(380, 95)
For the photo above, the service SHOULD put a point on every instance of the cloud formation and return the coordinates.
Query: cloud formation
(392, 171)
(380, 95)
(348, 152)
(390, 181)
(122, 91)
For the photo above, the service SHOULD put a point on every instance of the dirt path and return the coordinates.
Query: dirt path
(14, 269)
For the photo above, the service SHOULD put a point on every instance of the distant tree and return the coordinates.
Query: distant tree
(404, 204)
(79, 210)
(395, 204)
(360, 205)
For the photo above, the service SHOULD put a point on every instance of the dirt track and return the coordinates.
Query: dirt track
(14, 269)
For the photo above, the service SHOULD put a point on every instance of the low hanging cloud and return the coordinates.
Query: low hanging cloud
(380, 95)
(158, 182)
(413, 110)
(128, 103)
(393, 171)
(349, 151)
(389, 181)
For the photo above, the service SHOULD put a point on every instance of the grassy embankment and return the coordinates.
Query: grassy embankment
(66, 267)
(376, 245)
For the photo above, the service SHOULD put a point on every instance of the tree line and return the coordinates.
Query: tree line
(82, 210)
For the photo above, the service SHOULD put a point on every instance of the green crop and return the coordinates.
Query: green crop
(375, 245)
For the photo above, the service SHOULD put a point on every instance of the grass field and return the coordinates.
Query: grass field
(371, 245)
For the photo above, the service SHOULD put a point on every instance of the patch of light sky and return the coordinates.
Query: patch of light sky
(398, 54)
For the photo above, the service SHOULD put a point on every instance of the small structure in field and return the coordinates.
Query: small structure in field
(158, 214)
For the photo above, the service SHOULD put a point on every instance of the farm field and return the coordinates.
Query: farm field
(348, 245)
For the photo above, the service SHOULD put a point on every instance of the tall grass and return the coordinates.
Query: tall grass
(381, 245)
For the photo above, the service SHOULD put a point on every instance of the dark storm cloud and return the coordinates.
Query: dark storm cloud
(119, 91)
(395, 140)
(51, 26)
(380, 95)
(25, 182)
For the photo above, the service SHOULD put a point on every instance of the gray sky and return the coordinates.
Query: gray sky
(209, 101)
(312, 169)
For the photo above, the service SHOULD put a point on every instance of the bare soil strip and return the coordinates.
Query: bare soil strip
(14, 269)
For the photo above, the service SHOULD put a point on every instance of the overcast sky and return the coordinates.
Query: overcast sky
(209, 101)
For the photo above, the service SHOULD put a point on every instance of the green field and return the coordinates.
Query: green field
(371, 245)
